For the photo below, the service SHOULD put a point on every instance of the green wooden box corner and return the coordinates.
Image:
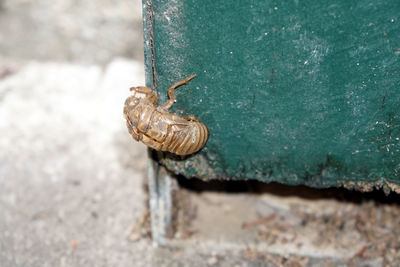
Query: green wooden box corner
(298, 92)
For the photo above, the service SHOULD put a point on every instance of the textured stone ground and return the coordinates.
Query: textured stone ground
(70, 177)
(91, 31)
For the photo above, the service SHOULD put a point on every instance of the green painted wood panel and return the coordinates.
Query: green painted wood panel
(299, 92)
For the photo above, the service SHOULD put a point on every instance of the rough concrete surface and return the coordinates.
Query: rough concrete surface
(91, 31)
(72, 179)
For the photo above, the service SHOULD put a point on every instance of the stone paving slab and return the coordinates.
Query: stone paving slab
(70, 177)
(91, 31)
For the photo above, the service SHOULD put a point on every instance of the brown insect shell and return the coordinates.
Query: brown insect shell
(160, 130)
(137, 106)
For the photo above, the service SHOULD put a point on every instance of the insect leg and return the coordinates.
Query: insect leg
(171, 95)
(141, 90)
(132, 130)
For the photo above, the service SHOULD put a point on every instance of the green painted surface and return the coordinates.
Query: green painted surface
(299, 92)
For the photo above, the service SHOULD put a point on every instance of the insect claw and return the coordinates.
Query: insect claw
(189, 78)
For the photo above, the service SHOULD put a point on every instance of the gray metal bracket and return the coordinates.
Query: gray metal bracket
(162, 188)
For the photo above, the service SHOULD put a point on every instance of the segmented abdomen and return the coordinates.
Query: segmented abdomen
(166, 132)
(187, 138)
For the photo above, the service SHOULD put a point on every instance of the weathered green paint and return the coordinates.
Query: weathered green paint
(299, 92)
